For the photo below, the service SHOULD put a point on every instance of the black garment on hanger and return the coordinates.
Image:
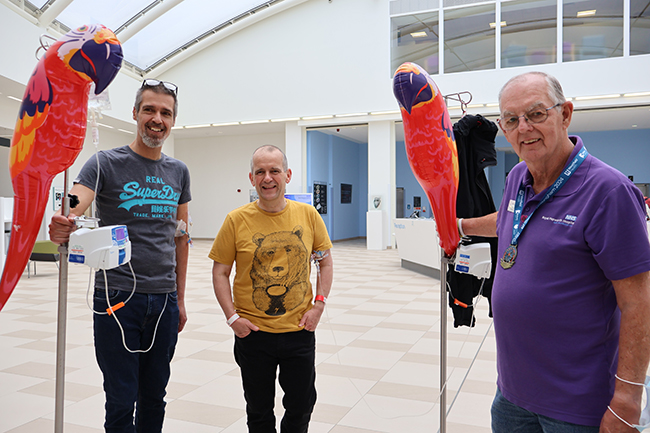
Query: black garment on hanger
(475, 143)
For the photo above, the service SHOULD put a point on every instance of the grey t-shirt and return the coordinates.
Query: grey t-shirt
(142, 194)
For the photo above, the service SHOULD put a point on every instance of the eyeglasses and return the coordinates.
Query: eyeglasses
(150, 82)
(538, 115)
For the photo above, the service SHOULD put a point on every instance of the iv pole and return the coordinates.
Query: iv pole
(61, 318)
(444, 260)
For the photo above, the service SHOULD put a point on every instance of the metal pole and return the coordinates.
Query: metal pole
(443, 341)
(61, 318)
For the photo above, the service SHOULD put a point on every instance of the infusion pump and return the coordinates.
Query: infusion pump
(474, 259)
(100, 248)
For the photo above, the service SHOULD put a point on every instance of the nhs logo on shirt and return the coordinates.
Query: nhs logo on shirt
(568, 220)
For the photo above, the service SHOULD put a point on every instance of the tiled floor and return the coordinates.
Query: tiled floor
(377, 355)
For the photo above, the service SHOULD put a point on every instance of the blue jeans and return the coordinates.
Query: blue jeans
(135, 380)
(259, 355)
(510, 418)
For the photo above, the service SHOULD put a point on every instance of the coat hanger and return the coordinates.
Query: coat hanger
(463, 97)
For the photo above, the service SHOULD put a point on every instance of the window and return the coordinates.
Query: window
(469, 38)
(639, 27)
(415, 39)
(528, 32)
(593, 29)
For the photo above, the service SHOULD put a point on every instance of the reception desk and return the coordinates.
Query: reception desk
(418, 245)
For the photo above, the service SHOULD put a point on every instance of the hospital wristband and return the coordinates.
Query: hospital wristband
(232, 319)
(321, 298)
(459, 222)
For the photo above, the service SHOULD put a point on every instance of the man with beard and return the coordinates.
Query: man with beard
(138, 186)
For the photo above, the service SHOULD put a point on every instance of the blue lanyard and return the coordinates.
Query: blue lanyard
(517, 227)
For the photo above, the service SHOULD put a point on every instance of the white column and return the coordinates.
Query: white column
(296, 150)
(381, 184)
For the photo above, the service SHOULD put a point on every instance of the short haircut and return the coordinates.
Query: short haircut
(271, 148)
(555, 92)
(160, 88)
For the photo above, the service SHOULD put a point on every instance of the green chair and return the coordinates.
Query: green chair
(43, 251)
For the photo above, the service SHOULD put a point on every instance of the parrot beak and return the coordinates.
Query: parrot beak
(110, 68)
(403, 90)
(99, 61)
(411, 89)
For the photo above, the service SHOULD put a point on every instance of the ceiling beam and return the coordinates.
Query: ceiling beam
(144, 18)
(50, 14)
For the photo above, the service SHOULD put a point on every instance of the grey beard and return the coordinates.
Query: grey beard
(151, 142)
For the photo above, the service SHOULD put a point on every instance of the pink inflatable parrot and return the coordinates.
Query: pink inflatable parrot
(430, 147)
(50, 131)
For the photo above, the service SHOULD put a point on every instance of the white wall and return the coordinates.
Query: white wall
(315, 58)
(219, 168)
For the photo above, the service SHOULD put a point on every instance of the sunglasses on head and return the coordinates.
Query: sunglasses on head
(150, 82)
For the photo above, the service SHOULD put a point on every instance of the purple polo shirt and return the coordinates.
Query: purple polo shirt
(555, 314)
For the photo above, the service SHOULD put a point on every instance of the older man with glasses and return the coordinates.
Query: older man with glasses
(138, 307)
(571, 296)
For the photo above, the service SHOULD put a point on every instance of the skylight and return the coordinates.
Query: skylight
(170, 25)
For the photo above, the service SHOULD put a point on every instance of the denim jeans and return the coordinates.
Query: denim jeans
(259, 355)
(135, 381)
(510, 418)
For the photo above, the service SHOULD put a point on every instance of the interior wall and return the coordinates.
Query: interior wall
(627, 151)
(335, 161)
(407, 180)
(219, 168)
(347, 157)
(320, 163)
(318, 57)
(363, 187)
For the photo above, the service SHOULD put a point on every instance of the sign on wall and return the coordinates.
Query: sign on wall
(346, 193)
(320, 197)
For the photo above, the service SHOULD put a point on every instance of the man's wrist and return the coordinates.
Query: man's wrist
(232, 319)
(459, 222)
(320, 298)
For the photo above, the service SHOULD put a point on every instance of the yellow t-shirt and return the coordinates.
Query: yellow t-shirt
(271, 252)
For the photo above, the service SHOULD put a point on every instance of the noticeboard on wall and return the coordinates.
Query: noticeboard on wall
(320, 197)
(346, 193)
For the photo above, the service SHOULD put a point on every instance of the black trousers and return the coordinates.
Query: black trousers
(259, 355)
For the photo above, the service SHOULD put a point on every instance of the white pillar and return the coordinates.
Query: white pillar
(296, 150)
(381, 184)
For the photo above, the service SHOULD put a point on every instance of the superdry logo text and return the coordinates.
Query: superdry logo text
(163, 200)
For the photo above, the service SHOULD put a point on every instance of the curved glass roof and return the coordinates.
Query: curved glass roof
(151, 31)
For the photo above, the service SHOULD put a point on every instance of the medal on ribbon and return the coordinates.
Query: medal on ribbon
(509, 257)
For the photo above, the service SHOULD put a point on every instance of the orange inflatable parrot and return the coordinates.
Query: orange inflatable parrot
(50, 131)
(430, 147)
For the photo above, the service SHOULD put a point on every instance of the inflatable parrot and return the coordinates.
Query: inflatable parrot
(50, 131)
(430, 147)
